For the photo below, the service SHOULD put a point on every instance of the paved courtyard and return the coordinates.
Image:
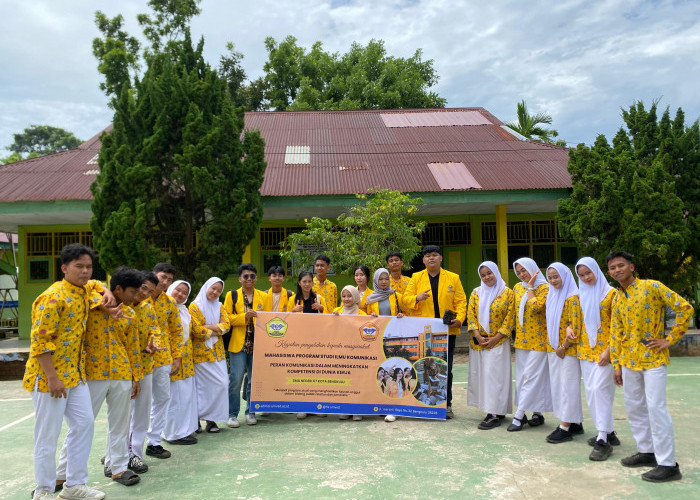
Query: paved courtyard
(282, 457)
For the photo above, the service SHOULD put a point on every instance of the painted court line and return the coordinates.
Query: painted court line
(15, 399)
(670, 375)
(19, 421)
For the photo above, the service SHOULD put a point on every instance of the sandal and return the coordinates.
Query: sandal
(128, 478)
(212, 428)
(199, 427)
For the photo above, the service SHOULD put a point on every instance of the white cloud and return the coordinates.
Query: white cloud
(578, 60)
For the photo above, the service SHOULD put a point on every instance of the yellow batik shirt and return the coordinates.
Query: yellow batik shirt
(112, 347)
(638, 314)
(199, 334)
(59, 315)
(571, 315)
(400, 285)
(169, 330)
(328, 291)
(187, 362)
(603, 339)
(148, 326)
(501, 317)
(532, 334)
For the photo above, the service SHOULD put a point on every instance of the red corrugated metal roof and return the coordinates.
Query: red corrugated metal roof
(350, 152)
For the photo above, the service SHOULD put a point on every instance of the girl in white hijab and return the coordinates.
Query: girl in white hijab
(209, 323)
(564, 323)
(594, 354)
(181, 418)
(490, 321)
(532, 389)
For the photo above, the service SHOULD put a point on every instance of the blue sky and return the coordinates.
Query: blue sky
(579, 61)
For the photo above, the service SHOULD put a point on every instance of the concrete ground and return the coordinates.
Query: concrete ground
(328, 458)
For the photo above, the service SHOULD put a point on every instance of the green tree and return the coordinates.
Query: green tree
(363, 78)
(250, 95)
(176, 180)
(642, 195)
(528, 125)
(383, 221)
(40, 140)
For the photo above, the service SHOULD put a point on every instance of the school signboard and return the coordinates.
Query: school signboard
(354, 365)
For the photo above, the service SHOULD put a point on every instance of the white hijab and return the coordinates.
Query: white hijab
(556, 298)
(210, 309)
(185, 316)
(487, 294)
(531, 267)
(591, 296)
(356, 298)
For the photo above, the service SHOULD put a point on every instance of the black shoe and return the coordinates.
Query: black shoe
(559, 435)
(576, 429)
(108, 471)
(601, 451)
(639, 460)
(199, 428)
(449, 414)
(537, 419)
(513, 427)
(663, 473)
(157, 451)
(137, 465)
(501, 417)
(490, 421)
(185, 440)
(612, 439)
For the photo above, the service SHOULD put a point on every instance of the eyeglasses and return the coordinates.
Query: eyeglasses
(248, 276)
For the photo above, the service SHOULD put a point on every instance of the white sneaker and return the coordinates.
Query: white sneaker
(390, 418)
(357, 418)
(233, 422)
(301, 416)
(250, 419)
(80, 491)
(43, 494)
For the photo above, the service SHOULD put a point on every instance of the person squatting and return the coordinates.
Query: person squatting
(160, 364)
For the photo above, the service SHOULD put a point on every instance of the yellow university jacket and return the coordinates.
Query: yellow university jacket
(395, 301)
(236, 316)
(451, 296)
(59, 316)
(501, 316)
(112, 347)
(285, 295)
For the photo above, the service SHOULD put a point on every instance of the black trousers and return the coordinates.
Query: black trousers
(451, 343)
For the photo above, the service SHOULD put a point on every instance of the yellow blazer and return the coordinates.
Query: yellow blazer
(451, 296)
(285, 295)
(394, 300)
(236, 316)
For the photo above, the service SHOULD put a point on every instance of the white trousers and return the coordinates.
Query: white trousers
(532, 389)
(140, 416)
(159, 409)
(490, 381)
(599, 385)
(565, 379)
(651, 424)
(181, 419)
(50, 412)
(117, 394)
(211, 379)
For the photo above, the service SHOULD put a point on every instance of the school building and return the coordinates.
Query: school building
(419, 345)
(488, 193)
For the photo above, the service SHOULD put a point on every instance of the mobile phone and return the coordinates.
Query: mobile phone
(645, 342)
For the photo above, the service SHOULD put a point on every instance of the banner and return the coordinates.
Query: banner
(354, 365)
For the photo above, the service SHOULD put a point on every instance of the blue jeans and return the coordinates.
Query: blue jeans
(240, 363)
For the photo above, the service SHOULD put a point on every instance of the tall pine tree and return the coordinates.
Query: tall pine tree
(642, 195)
(179, 180)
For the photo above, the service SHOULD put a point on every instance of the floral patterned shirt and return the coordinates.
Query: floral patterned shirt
(532, 334)
(501, 317)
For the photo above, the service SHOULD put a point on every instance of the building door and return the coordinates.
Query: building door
(455, 260)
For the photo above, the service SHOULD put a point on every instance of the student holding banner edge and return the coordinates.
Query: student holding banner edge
(433, 292)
